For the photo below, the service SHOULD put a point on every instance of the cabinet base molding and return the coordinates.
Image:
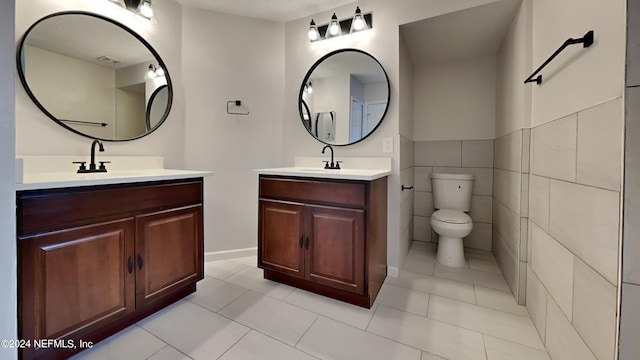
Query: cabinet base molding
(355, 299)
(230, 254)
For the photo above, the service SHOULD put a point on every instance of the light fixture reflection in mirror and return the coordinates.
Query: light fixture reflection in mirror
(90, 74)
(349, 100)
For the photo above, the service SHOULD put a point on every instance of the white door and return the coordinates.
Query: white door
(356, 120)
(375, 111)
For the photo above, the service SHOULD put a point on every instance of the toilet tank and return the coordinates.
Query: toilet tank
(452, 191)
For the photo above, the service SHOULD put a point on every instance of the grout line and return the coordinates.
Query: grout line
(235, 343)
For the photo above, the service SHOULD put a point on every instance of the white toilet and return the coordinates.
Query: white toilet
(451, 198)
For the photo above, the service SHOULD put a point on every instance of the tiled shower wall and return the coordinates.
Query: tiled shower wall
(510, 208)
(461, 157)
(630, 322)
(573, 231)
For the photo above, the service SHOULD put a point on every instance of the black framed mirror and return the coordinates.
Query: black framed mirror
(94, 76)
(344, 97)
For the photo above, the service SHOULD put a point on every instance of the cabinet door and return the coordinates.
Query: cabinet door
(75, 280)
(169, 252)
(280, 237)
(336, 250)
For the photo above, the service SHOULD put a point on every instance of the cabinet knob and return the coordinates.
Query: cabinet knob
(306, 244)
(140, 261)
(301, 239)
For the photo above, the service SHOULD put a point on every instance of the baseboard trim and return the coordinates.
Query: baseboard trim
(230, 254)
(393, 271)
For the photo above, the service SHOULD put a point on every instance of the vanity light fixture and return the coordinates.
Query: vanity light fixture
(143, 9)
(335, 28)
(309, 88)
(314, 35)
(358, 23)
(154, 72)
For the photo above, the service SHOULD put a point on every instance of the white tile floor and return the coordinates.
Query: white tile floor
(429, 313)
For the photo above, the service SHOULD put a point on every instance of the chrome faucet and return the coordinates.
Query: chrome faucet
(333, 165)
(92, 165)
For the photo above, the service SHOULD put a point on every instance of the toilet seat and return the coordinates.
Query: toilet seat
(451, 216)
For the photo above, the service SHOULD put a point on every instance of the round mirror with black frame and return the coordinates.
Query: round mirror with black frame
(94, 76)
(344, 97)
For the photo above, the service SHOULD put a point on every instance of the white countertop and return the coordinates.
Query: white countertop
(50, 180)
(345, 174)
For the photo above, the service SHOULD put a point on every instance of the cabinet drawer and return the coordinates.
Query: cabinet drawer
(315, 191)
(47, 210)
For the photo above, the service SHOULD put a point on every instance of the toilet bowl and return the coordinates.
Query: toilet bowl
(452, 198)
(451, 226)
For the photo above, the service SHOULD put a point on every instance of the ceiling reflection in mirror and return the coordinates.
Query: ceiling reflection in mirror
(344, 97)
(94, 76)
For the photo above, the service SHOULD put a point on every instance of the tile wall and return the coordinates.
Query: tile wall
(462, 157)
(573, 231)
(511, 208)
(630, 315)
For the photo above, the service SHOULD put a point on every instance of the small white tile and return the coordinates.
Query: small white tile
(481, 209)
(526, 150)
(507, 260)
(338, 310)
(222, 269)
(329, 339)
(256, 346)
(523, 248)
(424, 248)
(130, 343)
(524, 196)
(214, 294)
(279, 320)
(499, 349)
(422, 178)
(499, 300)
(432, 336)
(169, 353)
(553, 265)
(594, 302)
(631, 246)
(253, 279)
(479, 238)
(484, 265)
(423, 203)
(630, 322)
(586, 221)
(554, 149)
(600, 134)
(562, 340)
(506, 326)
(539, 201)
(432, 285)
(406, 152)
(493, 281)
(536, 302)
(438, 153)
(507, 224)
(477, 153)
(197, 332)
(411, 301)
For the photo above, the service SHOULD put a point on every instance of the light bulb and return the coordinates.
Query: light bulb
(358, 23)
(309, 88)
(160, 72)
(152, 72)
(313, 31)
(146, 10)
(334, 29)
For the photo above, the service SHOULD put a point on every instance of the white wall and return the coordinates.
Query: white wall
(455, 100)
(36, 134)
(8, 274)
(383, 43)
(407, 170)
(226, 58)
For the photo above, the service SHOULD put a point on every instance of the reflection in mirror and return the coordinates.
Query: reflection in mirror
(91, 75)
(349, 99)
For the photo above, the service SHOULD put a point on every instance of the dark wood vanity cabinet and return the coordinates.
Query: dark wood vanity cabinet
(325, 236)
(95, 260)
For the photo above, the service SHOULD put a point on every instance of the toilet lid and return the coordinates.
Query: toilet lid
(451, 216)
